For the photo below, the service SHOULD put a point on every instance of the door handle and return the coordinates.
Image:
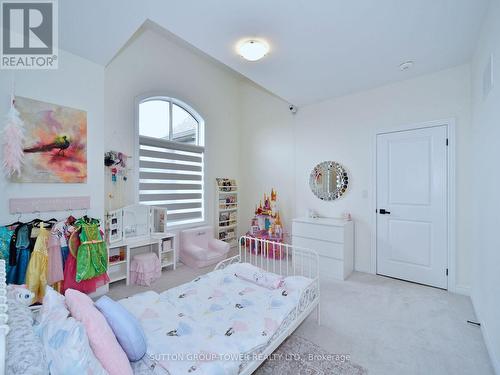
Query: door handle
(383, 211)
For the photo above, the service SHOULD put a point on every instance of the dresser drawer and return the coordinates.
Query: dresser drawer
(329, 269)
(323, 248)
(320, 232)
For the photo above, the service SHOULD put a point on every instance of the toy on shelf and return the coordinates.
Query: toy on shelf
(226, 184)
(267, 225)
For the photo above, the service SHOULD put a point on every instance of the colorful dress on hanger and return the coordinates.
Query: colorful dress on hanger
(36, 274)
(55, 265)
(12, 247)
(84, 286)
(63, 231)
(92, 257)
(21, 252)
(5, 238)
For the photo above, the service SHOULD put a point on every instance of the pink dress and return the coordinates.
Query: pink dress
(55, 267)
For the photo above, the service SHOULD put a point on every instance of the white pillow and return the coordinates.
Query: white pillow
(53, 307)
(65, 340)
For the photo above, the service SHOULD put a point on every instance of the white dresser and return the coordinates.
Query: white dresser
(332, 239)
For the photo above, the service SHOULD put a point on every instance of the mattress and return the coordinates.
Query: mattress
(212, 324)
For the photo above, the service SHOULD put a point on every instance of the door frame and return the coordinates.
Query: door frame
(451, 196)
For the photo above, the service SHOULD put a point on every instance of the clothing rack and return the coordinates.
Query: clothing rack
(18, 206)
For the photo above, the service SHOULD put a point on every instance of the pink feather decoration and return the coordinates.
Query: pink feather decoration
(13, 139)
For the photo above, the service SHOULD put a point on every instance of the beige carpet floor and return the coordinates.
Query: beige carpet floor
(387, 326)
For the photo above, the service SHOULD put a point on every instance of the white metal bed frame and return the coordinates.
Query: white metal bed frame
(294, 261)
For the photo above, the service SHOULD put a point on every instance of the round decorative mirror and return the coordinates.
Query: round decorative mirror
(328, 180)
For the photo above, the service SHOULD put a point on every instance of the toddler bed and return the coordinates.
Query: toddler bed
(227, 321)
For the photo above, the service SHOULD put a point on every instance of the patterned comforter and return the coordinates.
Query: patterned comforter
(211, 324)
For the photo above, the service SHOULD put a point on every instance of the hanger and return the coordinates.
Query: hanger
(70, 219)
(50, 223)
(18, 222)
(36, 221)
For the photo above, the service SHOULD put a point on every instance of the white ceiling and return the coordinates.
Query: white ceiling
(319, 48)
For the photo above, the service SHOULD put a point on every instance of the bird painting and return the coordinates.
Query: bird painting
(55, 144)
(61, 143)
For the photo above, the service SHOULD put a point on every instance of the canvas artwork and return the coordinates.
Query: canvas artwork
(55, 146)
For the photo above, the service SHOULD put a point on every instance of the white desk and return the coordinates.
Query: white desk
(120, 270)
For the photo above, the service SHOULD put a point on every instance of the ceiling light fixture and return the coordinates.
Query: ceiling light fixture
(406, 65)
(253, 49)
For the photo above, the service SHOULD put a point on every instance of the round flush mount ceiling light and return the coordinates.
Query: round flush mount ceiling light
(253, 49)
(406, 65)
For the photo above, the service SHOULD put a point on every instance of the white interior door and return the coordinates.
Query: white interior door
(412, 230)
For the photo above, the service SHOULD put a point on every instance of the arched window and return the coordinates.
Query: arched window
(171, 149)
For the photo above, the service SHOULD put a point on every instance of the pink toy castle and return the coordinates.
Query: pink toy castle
(267, 225)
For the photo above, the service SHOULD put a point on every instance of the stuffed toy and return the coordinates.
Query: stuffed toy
(20, 294)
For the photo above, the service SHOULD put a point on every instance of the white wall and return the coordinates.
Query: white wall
(155, 62)
(343, 130)
(252, 136)
(485, 196)
(267, 153)
(77, 83)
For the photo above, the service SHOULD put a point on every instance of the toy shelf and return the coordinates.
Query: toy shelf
(227, 221)
(226, 213)
(228, 209)
(221, 227)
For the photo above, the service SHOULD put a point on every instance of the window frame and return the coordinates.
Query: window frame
(199, 144)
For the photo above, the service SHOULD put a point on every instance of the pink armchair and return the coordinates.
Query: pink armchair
(199, 249)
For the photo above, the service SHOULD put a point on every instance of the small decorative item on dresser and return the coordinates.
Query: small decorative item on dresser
(312, 214)
(347, 216)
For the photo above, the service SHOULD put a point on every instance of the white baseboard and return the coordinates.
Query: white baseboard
(364, 270)
(495, 362)
(461, 289)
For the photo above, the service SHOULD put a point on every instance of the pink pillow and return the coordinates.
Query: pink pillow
(102, 340)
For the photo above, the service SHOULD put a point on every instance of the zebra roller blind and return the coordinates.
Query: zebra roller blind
(171, 176)
(171, 158)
